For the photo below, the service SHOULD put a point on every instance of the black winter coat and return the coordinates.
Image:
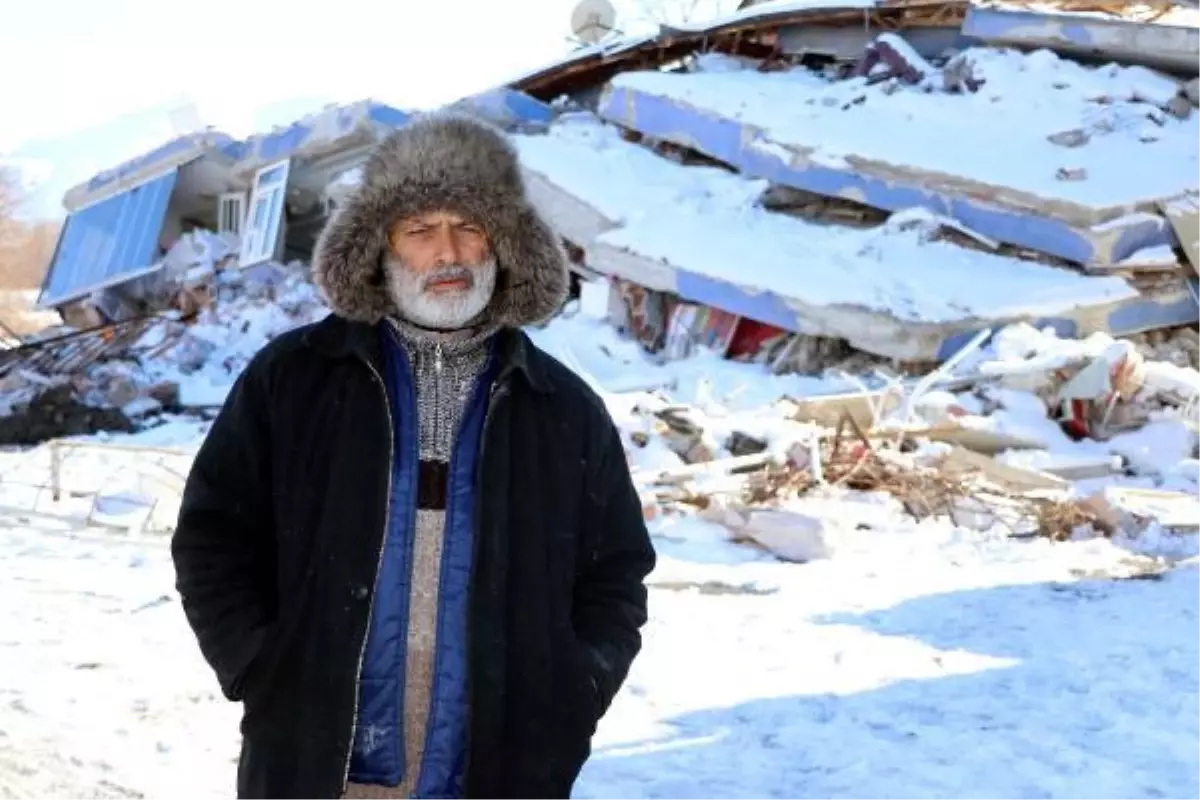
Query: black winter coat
(279, 539)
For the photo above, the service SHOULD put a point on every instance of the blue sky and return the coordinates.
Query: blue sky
(88, 84)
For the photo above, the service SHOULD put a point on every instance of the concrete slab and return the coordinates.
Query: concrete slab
(697, 232)
(764, 132)
(1175, 48)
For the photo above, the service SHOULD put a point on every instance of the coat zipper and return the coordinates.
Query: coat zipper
(387, 512)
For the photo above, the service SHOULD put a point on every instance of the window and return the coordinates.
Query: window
(261, 237)
(231, 212)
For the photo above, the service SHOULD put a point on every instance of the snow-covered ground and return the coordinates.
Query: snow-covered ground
(921, 659)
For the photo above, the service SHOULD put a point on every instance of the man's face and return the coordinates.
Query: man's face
(440, 270)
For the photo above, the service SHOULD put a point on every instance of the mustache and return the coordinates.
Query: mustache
(452, 272)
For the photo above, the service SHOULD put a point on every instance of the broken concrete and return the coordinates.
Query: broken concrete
(1049, 219)
(588, 178)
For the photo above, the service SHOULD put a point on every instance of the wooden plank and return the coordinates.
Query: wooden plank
(827, 409)
(1171, 509)
(1018, 480)
(979, 440)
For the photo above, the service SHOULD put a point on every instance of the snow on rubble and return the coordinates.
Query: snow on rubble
(667, 214)
(1107, 124)
(119, 377)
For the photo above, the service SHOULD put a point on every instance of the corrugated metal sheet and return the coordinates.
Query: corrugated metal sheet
(103, 244)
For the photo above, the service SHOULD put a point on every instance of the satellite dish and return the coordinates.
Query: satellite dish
(592, 20)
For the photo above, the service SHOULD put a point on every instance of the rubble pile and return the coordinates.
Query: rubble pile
(128, 374)
(37, 412)
(247, 308)
(1178, 346)
(1038, 435)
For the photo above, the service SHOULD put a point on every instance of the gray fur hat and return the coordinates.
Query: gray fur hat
(442, 162)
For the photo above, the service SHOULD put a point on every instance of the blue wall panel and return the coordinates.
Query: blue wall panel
(100, 243)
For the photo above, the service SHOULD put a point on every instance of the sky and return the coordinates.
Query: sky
(101, 78)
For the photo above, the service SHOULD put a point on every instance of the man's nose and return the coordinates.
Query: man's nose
(446, 247)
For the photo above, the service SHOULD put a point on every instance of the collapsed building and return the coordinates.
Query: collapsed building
(794, 183)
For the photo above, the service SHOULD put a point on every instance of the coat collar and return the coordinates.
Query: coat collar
(336, 337)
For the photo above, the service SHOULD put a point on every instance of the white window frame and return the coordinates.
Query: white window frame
(264, 215)
(231, 213)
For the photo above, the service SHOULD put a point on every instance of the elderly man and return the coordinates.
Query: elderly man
(410, 543)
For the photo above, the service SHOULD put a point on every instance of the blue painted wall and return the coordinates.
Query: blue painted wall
(101, 242)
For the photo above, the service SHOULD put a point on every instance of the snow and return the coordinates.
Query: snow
(921, 660)
(705, 220)
(1146, 14)
(1159, 254)
(911, 659)
(1012, 112)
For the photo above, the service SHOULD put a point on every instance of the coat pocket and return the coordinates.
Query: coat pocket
(586, 699)
(252, 678)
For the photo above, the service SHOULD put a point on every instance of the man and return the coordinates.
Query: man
(410, 543)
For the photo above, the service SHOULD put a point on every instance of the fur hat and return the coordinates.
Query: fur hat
(442, 162)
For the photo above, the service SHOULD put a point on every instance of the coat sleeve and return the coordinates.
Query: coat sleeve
(610, 591)
(223, 542)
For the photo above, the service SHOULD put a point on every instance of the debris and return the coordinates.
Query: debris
(1191, 90)
(1070, 467)
(961, 462)
(693, 325)
(642, 313)
(1071, 174)
(1184, 215)
(934, 226)
(979, 440)
(1061, 520)
(1180, 106)
(1169, 509)
(789, 535)
(1076, 137)
(685, 435)
(866, 408)
(959, 76)
(50, 412)
(890, 56)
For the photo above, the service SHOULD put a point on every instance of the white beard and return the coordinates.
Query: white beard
(442, 311)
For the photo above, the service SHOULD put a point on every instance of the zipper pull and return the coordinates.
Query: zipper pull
(437, 358)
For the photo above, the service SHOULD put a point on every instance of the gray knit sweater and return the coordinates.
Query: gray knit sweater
(445, 367)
